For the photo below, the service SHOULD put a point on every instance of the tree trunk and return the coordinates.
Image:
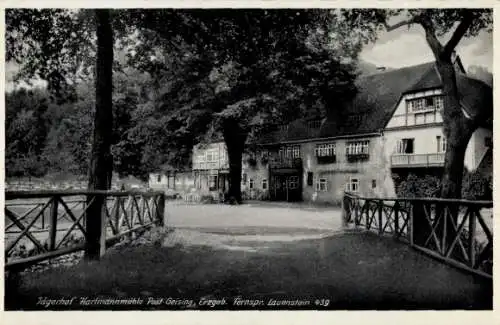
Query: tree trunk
(100, 160)
(458, 131)
(234, 138)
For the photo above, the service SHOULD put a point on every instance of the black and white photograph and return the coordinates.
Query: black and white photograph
(248, 159)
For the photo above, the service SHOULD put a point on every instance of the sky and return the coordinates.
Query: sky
(403, 47)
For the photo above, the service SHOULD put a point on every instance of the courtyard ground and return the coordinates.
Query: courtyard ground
(260, 252)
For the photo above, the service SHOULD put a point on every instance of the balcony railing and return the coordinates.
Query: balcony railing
(418, 160)
(277, 163)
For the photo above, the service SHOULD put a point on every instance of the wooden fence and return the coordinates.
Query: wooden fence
(46, 224)
(457, 232)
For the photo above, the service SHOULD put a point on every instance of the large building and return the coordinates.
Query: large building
(393, 127)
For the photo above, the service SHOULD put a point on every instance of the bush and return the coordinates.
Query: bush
(415, 186)
(207, 199)
(476, 187)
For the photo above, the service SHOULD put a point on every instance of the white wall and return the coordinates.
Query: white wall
(219, 147)
(476, 148)
(424, 143)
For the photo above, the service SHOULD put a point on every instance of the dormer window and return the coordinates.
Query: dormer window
(429, 103)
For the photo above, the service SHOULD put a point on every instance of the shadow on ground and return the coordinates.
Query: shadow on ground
(350, 271)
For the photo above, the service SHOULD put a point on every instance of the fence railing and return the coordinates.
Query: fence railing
(457, 232)
(40, 225)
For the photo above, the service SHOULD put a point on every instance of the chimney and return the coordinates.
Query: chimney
(380, 69)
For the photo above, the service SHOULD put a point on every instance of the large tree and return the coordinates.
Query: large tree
(240, 69)
(46, 44)
(444, 29)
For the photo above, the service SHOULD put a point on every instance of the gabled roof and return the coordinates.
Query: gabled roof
(376, 100)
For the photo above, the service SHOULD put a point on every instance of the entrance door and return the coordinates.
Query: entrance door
(285, 188)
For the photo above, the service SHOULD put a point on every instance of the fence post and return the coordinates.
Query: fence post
(472, 234)
(380, 208)
(396, 219)
(96, 223)
(160, 214)
(411, 215)
(344, 216)
(53, 223)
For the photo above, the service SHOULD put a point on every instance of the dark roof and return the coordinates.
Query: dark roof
(377, 97)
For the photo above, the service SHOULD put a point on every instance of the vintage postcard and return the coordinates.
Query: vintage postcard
(313, 159)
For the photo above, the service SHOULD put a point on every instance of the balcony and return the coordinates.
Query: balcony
(418, 160)
(285, 163)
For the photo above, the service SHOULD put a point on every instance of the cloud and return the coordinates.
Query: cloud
(408, 47)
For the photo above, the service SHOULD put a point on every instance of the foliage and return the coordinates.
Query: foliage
(415, 186)
(476, 187)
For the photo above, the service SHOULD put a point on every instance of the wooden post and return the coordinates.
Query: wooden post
(356, 212)
(380, 209)
(396, 219)
(472, 234)
(160, 214)
(104, 224)
(53, 223)
(344, 215)
(441, 210)
(94, 247)
(368, 224)
(411, 215)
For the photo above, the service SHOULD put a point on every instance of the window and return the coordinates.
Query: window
(352, 185)
(264, 184)
(200, 157)
(425, 103)
(438, 103)
(354, 119)
(290, 152)
(244, 178)
(212, 156)
(321, 185)
(212, 182)
(293, 182)
(325, 153)
(325, 149)
(309, 179)
(374, 183)
(171, 181)
(158, 178)
(357, 150)
(441, 144)
(315, 124)
(488, 143)
(405, 146)
(357, 147)
(250, 183)
(429, 101)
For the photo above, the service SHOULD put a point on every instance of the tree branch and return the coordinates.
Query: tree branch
(407, 22)
(430, 35)
(458, 34)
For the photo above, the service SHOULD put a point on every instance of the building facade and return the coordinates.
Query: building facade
(394, 126)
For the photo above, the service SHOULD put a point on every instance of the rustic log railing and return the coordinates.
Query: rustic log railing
(457, 232)
(46, 224)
